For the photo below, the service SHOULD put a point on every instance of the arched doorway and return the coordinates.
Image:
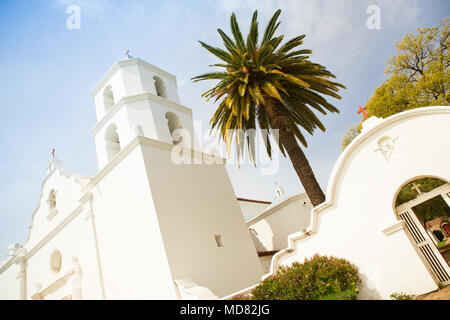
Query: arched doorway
(438, 234)
(418, 203)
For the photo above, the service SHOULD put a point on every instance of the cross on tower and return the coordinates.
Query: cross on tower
(53, 153)
(127, 54)
(363, 112)
(416, 187)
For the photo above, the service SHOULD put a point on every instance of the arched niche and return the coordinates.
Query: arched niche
(174, 123)
(108, 98)
(112, 141)
(160, 87)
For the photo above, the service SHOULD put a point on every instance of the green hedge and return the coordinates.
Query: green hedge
(319, 278)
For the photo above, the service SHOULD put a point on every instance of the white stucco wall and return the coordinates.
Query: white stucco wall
(251, 208)
(76, 239)
(271, 228)
(360, 203)
(133, 256)
(265, 263)
(9, 285)
(194, 203)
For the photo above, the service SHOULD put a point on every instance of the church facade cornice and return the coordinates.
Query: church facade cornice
(276, 208)
(136, 98)
(138, 140)
(125, 63)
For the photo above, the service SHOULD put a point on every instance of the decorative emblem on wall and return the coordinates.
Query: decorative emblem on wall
(387, 147)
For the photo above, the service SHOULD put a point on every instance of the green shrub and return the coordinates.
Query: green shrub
(401, 296)
(321, 277)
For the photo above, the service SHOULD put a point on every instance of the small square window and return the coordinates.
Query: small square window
(219, 242)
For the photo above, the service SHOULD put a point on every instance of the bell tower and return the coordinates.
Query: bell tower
(135, 98)
(179, 221)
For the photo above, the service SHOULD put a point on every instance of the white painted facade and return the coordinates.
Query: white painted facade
(287, 214)
(359, 221)
(252, 208)
(270, 223)
(143, 227)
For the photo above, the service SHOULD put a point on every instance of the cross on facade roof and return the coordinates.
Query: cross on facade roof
(53, 153)
(363, 112)
(416, 187)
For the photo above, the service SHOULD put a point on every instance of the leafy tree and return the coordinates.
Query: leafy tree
(432, 209)
(418, 76)
(351, 134)
(274, 86)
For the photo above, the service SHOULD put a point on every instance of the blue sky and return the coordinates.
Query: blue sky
(48, 71)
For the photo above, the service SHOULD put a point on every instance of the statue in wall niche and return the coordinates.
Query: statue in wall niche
(76, 271)
(52, 199)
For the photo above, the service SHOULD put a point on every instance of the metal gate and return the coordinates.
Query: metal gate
(429, 252)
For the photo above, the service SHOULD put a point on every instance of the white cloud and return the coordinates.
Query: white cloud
(336, 27)
(329, 25)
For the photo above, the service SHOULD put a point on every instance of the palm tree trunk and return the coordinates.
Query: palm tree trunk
(302, 167)
(298, 158)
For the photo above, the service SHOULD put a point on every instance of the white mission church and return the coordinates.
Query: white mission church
(145, 227)
(136, 230)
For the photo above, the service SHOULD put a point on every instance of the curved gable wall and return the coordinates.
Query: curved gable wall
(360, 197)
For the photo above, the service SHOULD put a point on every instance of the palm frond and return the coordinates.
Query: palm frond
(257, 74)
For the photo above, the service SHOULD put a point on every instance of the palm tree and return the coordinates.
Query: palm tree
(274, 86)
